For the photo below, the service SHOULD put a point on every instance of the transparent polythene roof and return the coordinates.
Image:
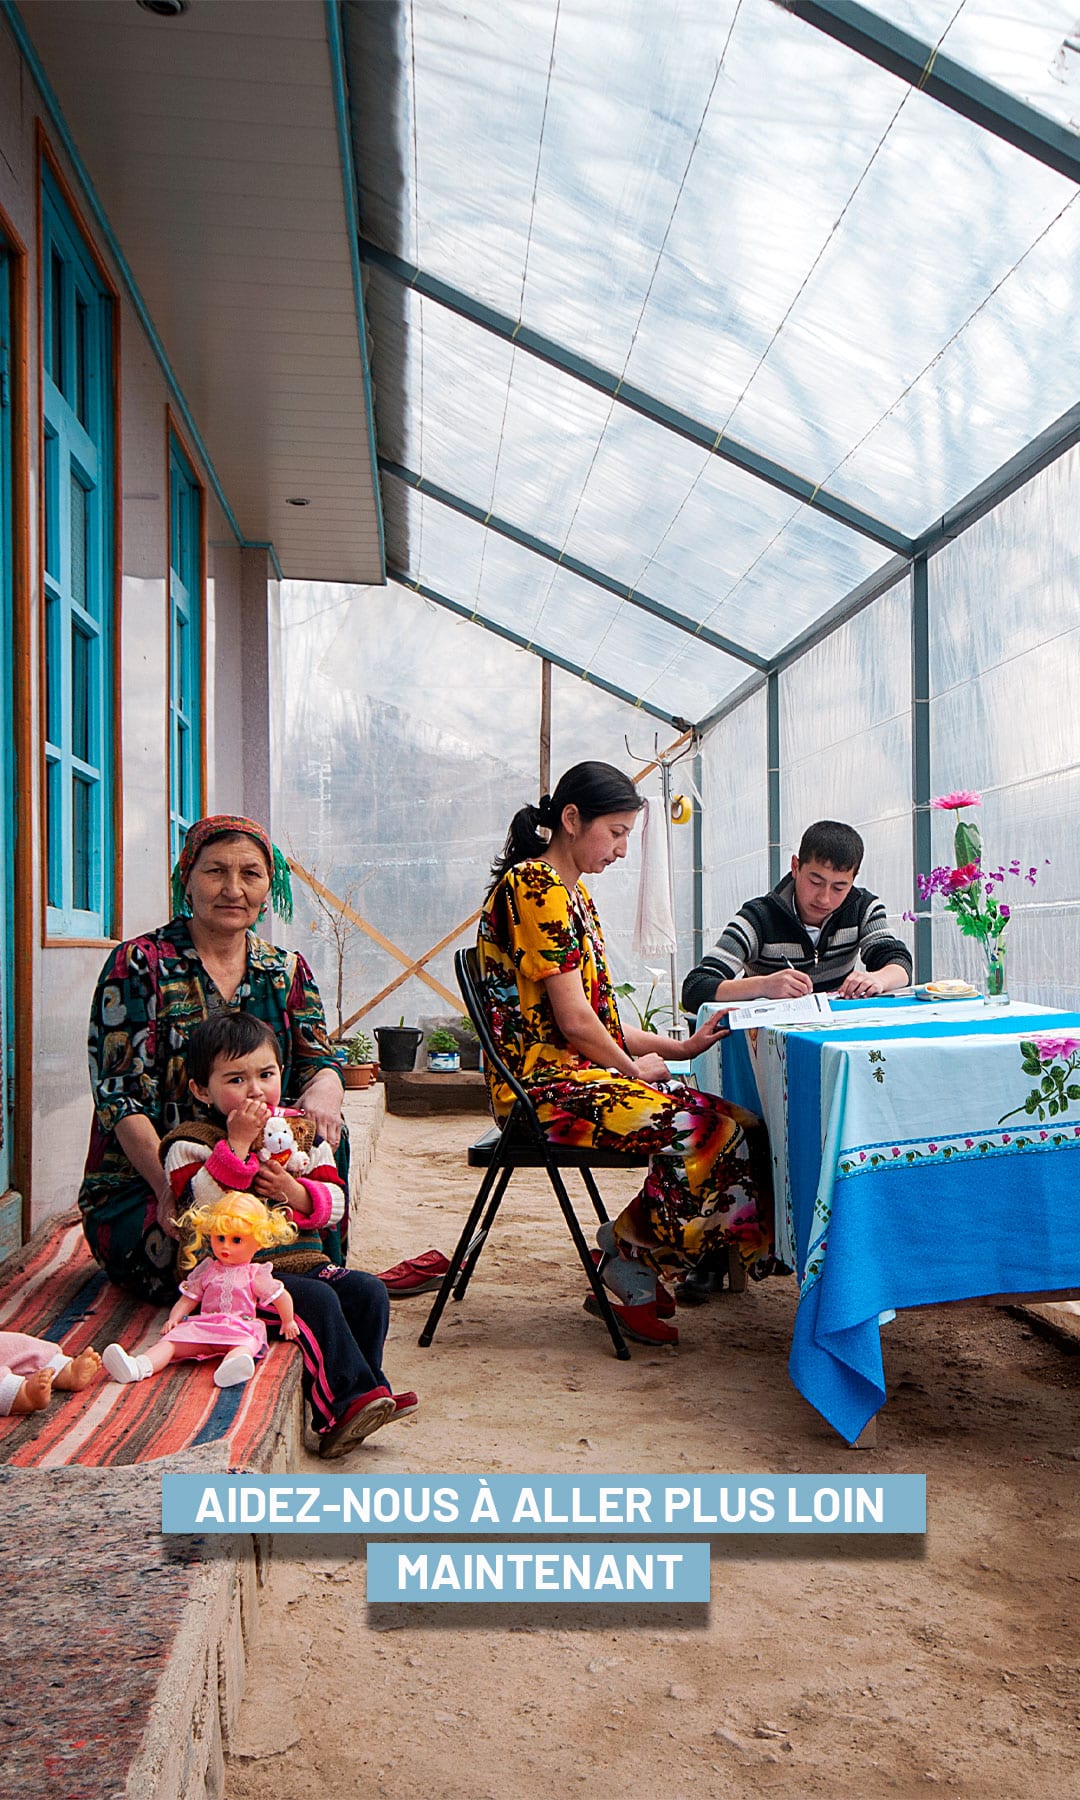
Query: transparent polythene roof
(722, 206)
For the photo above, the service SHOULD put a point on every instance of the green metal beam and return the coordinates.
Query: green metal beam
(920, 757)
(536, 649)
(921, 65)
(706, 437)
(551, 553)
(772, 701)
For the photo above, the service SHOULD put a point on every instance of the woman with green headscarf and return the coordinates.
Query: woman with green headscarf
(151, 992)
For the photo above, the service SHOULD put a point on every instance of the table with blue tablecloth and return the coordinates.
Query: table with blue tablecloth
(908, 1171)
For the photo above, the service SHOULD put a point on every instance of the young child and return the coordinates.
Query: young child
(234, 1069)
(216, 1311)
(31, 1369)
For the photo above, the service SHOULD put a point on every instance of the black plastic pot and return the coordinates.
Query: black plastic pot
(398, 1045)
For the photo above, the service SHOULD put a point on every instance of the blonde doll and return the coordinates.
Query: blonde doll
(222, 1292)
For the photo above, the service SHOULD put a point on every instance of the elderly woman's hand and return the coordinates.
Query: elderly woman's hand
(321, 1101)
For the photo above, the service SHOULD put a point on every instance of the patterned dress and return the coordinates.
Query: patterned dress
(150, 994)
(709, 1176)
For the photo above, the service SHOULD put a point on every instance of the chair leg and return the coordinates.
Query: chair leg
(591, 1272)
(461, 1250)
(594, 1195)
(472, 1253)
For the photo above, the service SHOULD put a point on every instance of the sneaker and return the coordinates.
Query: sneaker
(404, 1403)
(364, 1415)
(641, 1323)
(417, 1275)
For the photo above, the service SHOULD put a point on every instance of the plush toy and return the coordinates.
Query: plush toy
(228, 1286)
(287, 1141)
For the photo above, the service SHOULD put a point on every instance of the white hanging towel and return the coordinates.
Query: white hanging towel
(654, 927)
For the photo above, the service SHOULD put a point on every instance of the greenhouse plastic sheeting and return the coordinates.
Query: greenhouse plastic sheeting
(845, 743)
(395, 786)
(735, 818)
(1005, 671)
(721, 204)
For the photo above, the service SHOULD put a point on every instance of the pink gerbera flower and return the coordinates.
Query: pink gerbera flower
(954, 802)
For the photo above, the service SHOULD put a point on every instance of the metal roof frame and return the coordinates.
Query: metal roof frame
(658, 412)
(950, 84)
(922, 66)
(520, 642)
(503, 528)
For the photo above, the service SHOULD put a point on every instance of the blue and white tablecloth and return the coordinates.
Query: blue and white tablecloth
(906, 1171)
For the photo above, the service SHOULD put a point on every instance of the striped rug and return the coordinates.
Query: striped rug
(53, 1289)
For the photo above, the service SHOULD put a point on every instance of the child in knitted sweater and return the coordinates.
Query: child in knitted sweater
(234, 1069)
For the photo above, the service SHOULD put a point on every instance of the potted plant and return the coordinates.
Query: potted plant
(468, 1044)
(398, 1045)
(359, 1066)
(443, 1051)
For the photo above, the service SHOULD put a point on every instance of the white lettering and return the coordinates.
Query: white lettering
(209, 1508)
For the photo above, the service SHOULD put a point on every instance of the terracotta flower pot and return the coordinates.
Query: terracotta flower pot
(358, 1075)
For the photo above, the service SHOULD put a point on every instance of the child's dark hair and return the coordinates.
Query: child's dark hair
(838, 846)
(230, 1034)
(595, 788)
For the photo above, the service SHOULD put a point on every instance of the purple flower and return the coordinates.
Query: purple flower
(1005, 910)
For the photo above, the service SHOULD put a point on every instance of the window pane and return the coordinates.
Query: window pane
(81, 665)
(52, 506)
(81, 382)
(55, 872)
(53, 674)
(56, 336)
(82, 826)
(79, 547)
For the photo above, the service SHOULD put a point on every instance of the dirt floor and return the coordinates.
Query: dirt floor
(839, 1668)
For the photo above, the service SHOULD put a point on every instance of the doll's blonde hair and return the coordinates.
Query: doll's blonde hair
(236, 1212)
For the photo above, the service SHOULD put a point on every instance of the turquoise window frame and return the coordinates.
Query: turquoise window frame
(78, 577)
(185, 646)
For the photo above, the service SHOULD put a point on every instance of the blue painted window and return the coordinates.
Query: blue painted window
(185, 647)
(79, 648)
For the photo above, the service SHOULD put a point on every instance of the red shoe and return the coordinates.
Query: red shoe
(641, 1323)
(404, 1403)
(417, 1275)
(362, 1416)
(665, 1299)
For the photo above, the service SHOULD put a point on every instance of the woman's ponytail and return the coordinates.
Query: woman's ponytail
(594, 788)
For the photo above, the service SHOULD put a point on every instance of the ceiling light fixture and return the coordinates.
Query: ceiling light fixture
(164, 9)
(298, 500)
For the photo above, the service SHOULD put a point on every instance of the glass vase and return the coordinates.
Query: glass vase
(997, 993)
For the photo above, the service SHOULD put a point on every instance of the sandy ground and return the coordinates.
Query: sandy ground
(839, 1668)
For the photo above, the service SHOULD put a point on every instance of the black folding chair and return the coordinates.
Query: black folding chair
(520, 1143)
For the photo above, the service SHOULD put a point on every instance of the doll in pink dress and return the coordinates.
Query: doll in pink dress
(216, 1314)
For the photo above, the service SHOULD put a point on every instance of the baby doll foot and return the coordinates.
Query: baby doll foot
(123, 1367)
(238, 1366)
(78, 1372)
(35, 1393)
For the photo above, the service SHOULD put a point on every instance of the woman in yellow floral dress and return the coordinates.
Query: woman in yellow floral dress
(593, 1081)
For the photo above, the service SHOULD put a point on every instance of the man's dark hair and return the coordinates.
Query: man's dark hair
(229, 1034)
(838, 846)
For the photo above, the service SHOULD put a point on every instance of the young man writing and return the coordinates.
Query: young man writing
(807, 934)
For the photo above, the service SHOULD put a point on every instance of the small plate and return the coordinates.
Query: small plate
(937, 991)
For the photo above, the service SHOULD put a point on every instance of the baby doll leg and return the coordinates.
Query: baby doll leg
(25, 1394)
(123, 1367)
(78, 1372)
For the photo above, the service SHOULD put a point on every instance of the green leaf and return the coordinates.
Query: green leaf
(967, 842)
(1073, 1092)
(1031, 1103)
(1053, 1108)
(1032, 1068)
(1048, 1084)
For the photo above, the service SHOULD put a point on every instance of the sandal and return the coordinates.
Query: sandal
(416, 1275)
